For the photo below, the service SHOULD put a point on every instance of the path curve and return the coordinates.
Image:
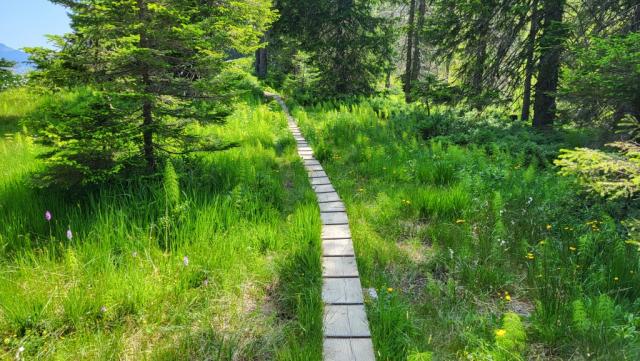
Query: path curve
(345, 327)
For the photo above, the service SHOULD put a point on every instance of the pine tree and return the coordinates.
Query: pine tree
(163, 62)
(346, 40)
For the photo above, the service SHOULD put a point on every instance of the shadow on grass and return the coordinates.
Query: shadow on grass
(8, 125)
(204, 345)
(299, 300)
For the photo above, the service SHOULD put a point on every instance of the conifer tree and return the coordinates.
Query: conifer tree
(346, 41)
(162, 63)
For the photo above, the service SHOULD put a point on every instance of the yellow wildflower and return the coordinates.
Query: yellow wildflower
(389, 289)
(507, 297)
(572, 248)
(549, 227)
(616, 279)
(501, 332)
(459, 221)
(530, 256)
(542, 243)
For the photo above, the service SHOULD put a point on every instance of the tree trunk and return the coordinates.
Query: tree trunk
(480, 56)
(261, 60)
(551, 44)
(415, 68)
(387, 81)
(410, 36)
(531, 46)
(344, 12)
(147, 134)
(147, 105)
(635, 24)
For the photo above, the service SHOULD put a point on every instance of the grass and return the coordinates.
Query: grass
(229, 269)
(477, 248)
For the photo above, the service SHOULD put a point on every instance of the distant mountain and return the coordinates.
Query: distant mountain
(20, 57)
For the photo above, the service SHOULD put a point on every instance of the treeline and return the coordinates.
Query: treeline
(135, 78)
(543, 58)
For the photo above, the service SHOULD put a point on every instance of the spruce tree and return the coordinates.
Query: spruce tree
(346, 40)
(162, 63)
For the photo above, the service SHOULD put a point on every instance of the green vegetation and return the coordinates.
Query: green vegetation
(152, 205)
(478, 249)
(7, 77)
(217, 259)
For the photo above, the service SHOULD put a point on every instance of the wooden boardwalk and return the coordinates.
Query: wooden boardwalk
(345, 327)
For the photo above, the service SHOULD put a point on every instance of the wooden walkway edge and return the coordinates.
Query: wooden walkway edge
(345, 326)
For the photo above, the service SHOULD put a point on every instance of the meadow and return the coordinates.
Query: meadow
(477, 248)
(216, 258)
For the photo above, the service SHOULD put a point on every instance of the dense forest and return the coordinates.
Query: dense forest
(153, 205)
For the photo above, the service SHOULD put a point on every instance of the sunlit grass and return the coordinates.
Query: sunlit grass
(232, 273)
(466, 221)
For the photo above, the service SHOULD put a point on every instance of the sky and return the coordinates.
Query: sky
(24, 23)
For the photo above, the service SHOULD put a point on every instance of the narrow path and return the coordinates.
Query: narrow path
(345, 326)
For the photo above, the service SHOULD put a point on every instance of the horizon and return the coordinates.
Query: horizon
(25, 23)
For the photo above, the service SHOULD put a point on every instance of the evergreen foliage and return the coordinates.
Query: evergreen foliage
(7, 77)
(348, 43)
(613, 175)
(158, 67)
(603, 83)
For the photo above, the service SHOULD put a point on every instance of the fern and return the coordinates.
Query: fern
(511, 342)
(580, 319)
(171, 186)
(499, 229)
(605, 311)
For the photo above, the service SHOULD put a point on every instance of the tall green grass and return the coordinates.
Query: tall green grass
(490, 254)
(218, 259)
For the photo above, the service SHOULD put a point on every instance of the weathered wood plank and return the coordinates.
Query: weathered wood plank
(342, 291)
(345, 321)
(337, 247)
(337, 267)
(348, 349)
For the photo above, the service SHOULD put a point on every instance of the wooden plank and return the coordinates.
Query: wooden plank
(342, 291)
(323, 188)
(338, 267)
(335, 231)
(313, 167)
(345, 321)
(337, 247)
(320, 180)
(317, 174)
(329, 218)
(348, 349)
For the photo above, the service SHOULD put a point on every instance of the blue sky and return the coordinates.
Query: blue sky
(25, 22)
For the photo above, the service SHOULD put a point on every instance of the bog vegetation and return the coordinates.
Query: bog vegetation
(152, 205)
